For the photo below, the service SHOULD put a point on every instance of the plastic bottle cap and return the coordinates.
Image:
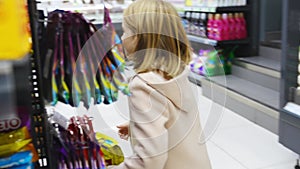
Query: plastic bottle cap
(203, 16)
(236, 15)
(218, 16)
(195, 16)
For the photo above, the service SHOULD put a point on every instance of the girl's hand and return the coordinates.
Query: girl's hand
(124, 130)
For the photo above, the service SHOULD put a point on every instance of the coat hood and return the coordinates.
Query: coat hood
(176, 90)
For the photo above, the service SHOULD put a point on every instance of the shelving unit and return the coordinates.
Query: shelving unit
(212, 42)
(252, 90)
(216, 9)
(93, 12)
(195, 78)
(247, 47)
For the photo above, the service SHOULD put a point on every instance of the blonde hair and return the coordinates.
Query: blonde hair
(162, 43)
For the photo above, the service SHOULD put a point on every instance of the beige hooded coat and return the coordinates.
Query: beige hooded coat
(165, 126)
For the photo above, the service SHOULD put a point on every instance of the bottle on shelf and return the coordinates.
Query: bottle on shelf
(198, 24)
(238, 27)
(218, 28)
(210, 29)
(225, 31)
(188, 18)
(231, 27)
(202, 25)
(243, 26)
(194, 23)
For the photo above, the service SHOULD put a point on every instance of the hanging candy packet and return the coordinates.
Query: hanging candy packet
(30, 147)
(116, 55)
(102, 70)
(54, 72)
(65, 90)
(85, 84)
(25, 166)
(105, 86)
(75, 85)
(110, 70)
(112, 152)
(21, 159)
(118, 79)
(92, 54)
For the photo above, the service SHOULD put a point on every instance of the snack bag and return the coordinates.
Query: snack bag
(113, 154)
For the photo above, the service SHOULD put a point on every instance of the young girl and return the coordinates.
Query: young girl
(164, 125)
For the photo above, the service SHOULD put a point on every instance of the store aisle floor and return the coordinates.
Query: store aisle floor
(236, 143)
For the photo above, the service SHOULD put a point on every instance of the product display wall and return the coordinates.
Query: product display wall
(56, 48)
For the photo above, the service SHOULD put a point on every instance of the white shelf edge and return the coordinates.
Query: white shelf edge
(292, 108)
(202, 40)
(211, 9)
(195, 77)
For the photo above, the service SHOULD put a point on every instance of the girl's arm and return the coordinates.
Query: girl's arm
(147, 127)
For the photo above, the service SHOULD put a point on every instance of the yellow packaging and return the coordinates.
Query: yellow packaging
(9, 149)
(14, 29)
(112, 152)
(188, 2)
(14, 136)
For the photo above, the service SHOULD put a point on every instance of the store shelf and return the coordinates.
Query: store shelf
(207, 41)
(195, 78)
(258, 93)
(198, 39)
(292, 109)
(71, 7)
(260, 64)
(216, 9)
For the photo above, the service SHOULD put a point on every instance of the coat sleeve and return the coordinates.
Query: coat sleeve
(149, 135)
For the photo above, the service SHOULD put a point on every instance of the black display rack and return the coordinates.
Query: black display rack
(40, 127)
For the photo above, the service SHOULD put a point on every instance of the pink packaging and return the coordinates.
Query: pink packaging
(225, 33)
(238, 27)
(232, 25)
(218, 28)
(243, 26)
(210, 23)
